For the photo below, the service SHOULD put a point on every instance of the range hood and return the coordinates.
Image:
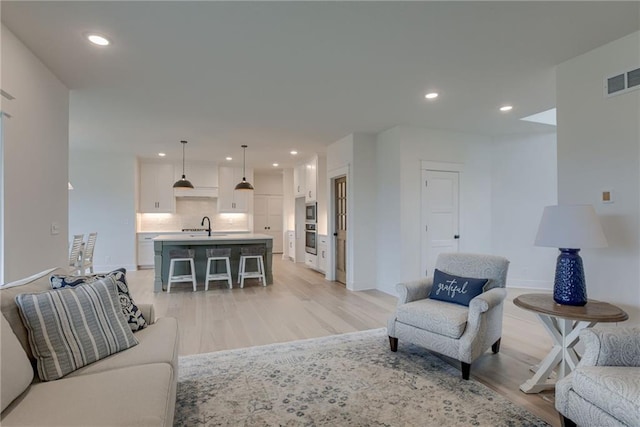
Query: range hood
(210, 192)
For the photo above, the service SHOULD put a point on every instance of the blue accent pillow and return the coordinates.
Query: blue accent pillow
(456, 289)
(130, 310)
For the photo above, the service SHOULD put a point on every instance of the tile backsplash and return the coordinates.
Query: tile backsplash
(189, 213)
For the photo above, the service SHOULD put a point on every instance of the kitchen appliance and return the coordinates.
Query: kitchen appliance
(310, 212)
(310, 238)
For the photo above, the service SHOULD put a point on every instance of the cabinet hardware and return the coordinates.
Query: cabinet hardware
(457, 236)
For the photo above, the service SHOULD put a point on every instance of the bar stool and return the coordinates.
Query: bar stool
(181, 255)
(247, 253)
(218, 254)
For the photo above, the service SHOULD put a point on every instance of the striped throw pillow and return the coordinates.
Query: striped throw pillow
(71, 328)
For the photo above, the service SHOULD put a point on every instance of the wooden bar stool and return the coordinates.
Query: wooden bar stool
(218, 254)
(182, 255)
(247, 253)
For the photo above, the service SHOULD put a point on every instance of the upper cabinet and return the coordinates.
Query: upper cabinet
(299, 175)
(311, 180)
(229, 199)
(156, 188)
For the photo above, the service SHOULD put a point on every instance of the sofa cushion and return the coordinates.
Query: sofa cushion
(39, 283)
(157, 343)
(435, 316)
(130, 310)
(456, 289)
(134, 396)
(15, 369)
(71, 328)
(615, 390)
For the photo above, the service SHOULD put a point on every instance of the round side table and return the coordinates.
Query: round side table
(563, 323)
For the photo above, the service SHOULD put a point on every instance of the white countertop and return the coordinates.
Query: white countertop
(215, 236)
(193, 232)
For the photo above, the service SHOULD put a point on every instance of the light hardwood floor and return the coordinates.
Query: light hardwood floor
(301, 304)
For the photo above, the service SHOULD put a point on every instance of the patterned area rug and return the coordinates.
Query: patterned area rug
(343, 380)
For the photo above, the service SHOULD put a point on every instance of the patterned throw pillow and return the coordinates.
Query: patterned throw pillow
(131, 311)
(455, 289)
(71, 328)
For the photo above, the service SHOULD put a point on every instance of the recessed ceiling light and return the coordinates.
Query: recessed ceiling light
(162, 154)
(229, 158)
(431, 95)
(294, 152)
(98, 39)
(506, 108)
(275, 165)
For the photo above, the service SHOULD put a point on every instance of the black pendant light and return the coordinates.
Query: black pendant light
(244, 185)
(183, 182)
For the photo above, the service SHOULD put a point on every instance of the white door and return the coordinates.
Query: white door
(440, 216)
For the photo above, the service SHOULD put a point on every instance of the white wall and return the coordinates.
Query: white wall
(289, 208)
(35, 163)
(104, 200)
(399, 246)
(599, 149)
(524, 180)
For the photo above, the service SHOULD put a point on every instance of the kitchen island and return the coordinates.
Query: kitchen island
(163, 244)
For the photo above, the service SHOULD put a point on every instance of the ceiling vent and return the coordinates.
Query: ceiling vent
(622, 83)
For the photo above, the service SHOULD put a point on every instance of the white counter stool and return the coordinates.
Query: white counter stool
(248, 253)
(218, 254)
(181, 255)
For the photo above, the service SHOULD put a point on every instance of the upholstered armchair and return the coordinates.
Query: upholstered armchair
(604, 389)
(454, 330)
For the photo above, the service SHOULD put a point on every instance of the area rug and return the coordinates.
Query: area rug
(343, 380)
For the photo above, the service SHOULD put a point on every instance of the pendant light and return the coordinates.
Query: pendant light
(244, 185)
(183, 182)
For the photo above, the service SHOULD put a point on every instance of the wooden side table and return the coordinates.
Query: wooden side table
(563, 323)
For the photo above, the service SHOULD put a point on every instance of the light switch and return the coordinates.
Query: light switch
(55, 228)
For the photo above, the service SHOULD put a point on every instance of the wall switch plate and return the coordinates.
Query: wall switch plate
(607, 196)
(55, 228)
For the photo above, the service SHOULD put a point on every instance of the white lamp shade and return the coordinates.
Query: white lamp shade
(570, 227)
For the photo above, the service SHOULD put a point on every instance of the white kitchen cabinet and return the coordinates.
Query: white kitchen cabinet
(322, 253)
(291, 241)
(267, 218)
(299, 175)
(311, 260)
(145, 249)
(229, 199)
(311, 180)
(156, 188)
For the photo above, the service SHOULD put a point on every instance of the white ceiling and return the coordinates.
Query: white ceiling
(279, 76)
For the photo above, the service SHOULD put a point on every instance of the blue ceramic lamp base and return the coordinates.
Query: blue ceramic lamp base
(569, 287)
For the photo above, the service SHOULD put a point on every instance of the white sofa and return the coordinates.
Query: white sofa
(136, 386)
(604, 389)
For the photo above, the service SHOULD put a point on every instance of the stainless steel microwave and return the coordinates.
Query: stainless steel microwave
(310, 212)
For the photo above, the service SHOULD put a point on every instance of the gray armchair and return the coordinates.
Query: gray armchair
(604, 389)
(457, 331)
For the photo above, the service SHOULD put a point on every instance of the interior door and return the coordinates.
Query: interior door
(341, 229)
(440, 216)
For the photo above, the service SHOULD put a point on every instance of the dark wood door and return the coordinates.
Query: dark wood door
(341, 229)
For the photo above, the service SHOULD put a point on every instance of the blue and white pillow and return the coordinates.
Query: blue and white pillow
(456, 289)
(74, 327)
(130, 310)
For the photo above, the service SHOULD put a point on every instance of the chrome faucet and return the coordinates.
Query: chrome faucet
(209, 221)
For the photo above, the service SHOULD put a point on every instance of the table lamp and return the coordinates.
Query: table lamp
(570, 228)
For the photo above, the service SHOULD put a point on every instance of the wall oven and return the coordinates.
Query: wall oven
(310, 239)
(310, 212)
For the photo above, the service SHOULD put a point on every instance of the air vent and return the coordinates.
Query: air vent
(622, 83)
